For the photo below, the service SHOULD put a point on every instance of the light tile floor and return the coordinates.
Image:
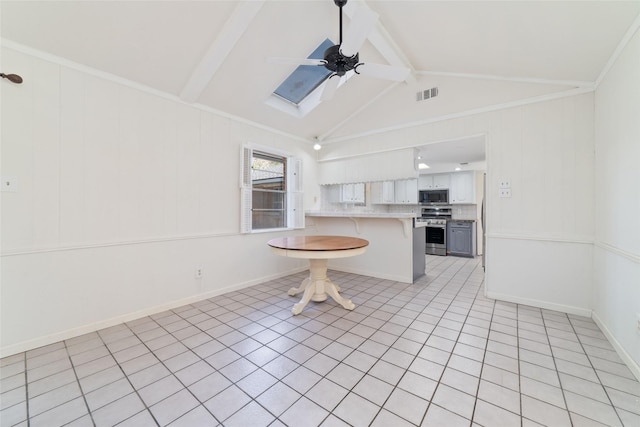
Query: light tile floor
(435, 353)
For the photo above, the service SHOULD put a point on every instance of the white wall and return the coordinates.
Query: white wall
(539, 241)
(616, 296)
(121, 194)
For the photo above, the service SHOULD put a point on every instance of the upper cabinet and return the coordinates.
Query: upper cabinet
(352, 193)
(383, 193)
(387, 166)
(438, 181)
(463, 188)
(406, 191)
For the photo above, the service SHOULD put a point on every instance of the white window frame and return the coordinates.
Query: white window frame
(294, 194)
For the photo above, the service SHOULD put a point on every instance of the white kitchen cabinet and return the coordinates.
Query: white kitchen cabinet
(382, 192)
(352, 193)
(406, 191)
(436, 181)
(463, 188)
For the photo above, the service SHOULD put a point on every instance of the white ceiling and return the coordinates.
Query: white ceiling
(478, 53)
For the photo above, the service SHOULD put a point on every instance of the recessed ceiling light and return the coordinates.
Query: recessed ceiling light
(317, 146)
(423, 166)
(458, 168)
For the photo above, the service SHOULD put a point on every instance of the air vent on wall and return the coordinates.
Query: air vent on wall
(423, 95)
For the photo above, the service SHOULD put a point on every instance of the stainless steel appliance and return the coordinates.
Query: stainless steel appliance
(434, 219)
(433, 197)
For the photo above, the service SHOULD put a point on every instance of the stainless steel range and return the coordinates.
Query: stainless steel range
(435, 221)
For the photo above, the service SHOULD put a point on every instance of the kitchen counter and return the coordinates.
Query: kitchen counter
(341, 214)
(390, 235)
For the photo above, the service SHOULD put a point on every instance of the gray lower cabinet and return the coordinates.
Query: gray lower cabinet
(460, 238)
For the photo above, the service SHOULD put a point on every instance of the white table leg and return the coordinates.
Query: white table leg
(333, 292)
(317, 286)
(306, 297)
(296, 291)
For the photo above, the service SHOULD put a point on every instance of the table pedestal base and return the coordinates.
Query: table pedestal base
(317, 286)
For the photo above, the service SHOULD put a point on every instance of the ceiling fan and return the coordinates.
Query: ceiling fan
(343, 57)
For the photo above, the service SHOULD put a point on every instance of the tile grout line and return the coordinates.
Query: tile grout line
(26, 390)
(615, 409)
(522, 417)
(128, 380)
(84, 396)
(484, 356)
(457, 338)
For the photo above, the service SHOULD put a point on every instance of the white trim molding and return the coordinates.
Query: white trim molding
(626, 357)
(583, 240)
(540, 304)
(615, 250)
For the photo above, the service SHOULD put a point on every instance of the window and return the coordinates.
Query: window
(305, 78)
(301, 91)
(271, 196)
(269, 190)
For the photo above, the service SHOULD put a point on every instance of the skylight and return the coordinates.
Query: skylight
(305, 78)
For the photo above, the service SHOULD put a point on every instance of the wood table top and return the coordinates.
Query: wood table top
(318, 243)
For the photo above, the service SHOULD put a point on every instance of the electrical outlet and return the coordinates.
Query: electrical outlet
(504, 192)
(9, 184)
(199, 273)
(504, 183)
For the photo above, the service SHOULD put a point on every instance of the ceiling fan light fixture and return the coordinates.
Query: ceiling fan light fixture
(337, 62)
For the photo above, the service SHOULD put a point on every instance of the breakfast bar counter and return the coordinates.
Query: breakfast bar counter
(390, 235)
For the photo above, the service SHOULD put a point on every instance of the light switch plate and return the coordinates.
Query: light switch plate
(504, 192)
(9, 184)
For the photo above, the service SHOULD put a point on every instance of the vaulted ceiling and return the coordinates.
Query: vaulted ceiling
(478, 54)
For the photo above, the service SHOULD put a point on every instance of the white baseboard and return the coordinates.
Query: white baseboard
(579, 311)
(626, 357)
(96, 326)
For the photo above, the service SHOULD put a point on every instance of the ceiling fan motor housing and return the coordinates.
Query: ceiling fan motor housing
(337, 62)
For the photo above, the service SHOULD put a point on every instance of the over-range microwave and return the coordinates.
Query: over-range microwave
(434, 197)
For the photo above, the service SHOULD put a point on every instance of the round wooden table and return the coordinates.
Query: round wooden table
(318, 249)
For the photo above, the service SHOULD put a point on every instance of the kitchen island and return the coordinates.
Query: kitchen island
(390, 254)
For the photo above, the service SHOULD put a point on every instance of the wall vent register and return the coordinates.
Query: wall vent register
(423, 95)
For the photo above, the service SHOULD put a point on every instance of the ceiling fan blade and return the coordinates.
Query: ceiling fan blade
(361, 25)
(380, 71)
(330, 88)
(296, 61)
